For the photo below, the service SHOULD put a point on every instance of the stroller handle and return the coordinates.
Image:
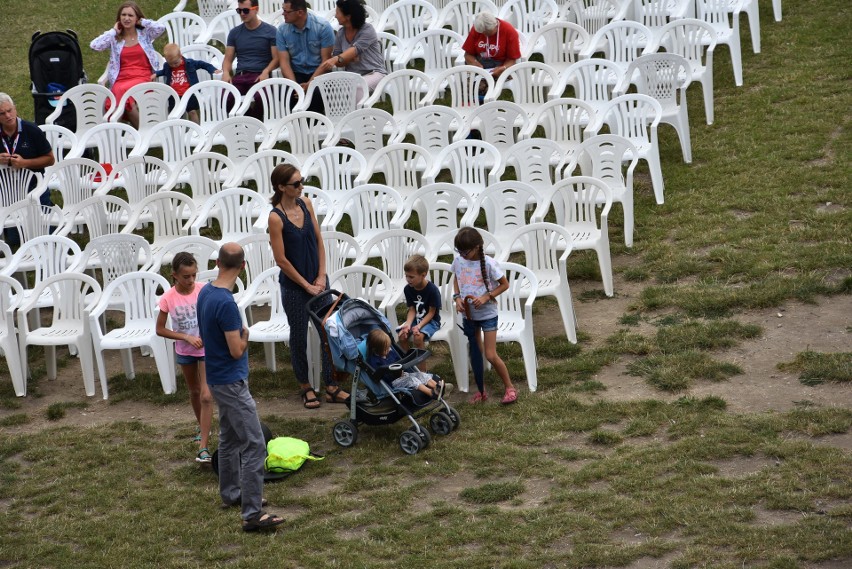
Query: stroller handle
(323, 299)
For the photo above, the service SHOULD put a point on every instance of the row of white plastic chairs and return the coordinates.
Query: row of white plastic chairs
(133, 295)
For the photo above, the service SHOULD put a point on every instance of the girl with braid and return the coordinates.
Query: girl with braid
(478, 281)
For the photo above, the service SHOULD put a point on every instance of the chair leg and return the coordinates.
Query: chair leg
(269, 355)
(653, 159)
(84, 350)
(528, 351)
(707, 88)
(161, 359)
(627, 206)
(736, 59)
(12, 351)
(566, 309)
(99, 361)
(683, 132)
(754, 25)
(776, 9)
(127, 363)
(50, 360)
(458, 353)
(605, 264)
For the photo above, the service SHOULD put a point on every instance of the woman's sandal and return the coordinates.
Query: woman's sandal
(335, 397)
(262, 521)
(310, 402)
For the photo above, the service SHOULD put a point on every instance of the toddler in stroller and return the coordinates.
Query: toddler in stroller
(344, 324)
(384, 360)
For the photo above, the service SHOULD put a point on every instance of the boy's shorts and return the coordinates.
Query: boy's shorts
(429, 329)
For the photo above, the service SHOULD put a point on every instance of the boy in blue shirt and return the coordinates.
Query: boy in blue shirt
(423, 299)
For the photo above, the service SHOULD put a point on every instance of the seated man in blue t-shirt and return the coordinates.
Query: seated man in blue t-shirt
(304, 41)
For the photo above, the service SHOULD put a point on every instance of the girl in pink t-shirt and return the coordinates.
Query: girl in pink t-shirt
(179, 304)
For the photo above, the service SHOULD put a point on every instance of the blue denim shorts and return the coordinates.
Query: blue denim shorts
(187, 360)
(471, 326)
(429, 329)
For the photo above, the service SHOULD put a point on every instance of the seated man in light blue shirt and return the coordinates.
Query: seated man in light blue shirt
(304, 41)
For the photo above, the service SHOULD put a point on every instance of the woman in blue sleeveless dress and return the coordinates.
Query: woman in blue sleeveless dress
(297, 246)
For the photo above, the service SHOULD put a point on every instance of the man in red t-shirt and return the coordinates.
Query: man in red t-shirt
(492, 44)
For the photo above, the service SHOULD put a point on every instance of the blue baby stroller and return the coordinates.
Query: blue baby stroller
(344, 324)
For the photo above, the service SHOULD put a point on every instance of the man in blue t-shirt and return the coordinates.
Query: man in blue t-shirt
(242, 447)
(253, 44)
(304, 41)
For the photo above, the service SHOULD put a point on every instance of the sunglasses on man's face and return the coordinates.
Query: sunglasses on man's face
(246, 11)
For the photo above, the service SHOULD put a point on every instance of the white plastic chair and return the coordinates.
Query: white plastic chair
(217, 101)
(276, 327)
(565, 121)
(258, 168)
(499, 123)
(98, 215)
(15, 185)
(276, 96)
(183, 28)
(620, 42)
(341, 92)
(636, 118)
(535, 162)
(406, 91)
(592, 15)
(506, 206)
(695, 41)
(138, 295)
(11, 295)
(365, 129)
(529, 82)
(208, 9)
(207, 54)
(441, 274)
(241, 137)
(166, 212)
(258, 254)
(439, 210)
(60, 138)
(612, 159)
(373, 209)
(202, 248)
(305, 132)
(726, 26)
(433, 127)
(464, 87)
(546, 247)
(439, 50)
(592, 80)
(515, 317)
(341, 250)
(112, 142)
(67, 324)
(217, 29)
(140, 176)
(206, 173)
(89, 100)
(665, 77)
(115, 254)
(575, 202)
(336, 168)
(393, 247)
(30, 218)
(369, 284)
(75, 179)
(407, 18)
(152, 100)
(392, 48)
(657, 13)
(459, 14)
(178, 138)
(529, 16)
(403, 166)
(559, 44)
(472, 164)
(235, 210)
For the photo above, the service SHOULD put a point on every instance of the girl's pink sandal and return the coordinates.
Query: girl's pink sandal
(510, 397)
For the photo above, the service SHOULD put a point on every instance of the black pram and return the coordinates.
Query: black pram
(56, 65)
(343, 324)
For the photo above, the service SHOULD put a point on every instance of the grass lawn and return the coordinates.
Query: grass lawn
(760, 217)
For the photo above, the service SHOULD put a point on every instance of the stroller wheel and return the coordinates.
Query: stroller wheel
(441, 423)
(345, 433)
(425, 437)
(410, 442)
(456, 418)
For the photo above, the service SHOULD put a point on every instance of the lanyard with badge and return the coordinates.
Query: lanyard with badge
(12, 145)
